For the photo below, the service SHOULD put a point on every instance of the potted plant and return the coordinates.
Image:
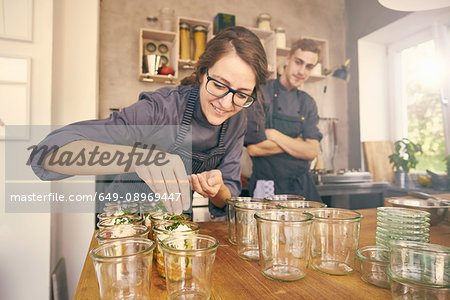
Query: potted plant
(403, 159)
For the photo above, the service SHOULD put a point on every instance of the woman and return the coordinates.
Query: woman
(207, 137)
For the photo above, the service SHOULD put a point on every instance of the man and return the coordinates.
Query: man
(282, 135)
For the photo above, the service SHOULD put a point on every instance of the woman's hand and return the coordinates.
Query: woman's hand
(170, 181)
(207, 183)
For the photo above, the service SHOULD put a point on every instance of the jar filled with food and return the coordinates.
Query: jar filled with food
(280, 37)
(264, 21)
(167, 229)
(199, 40)
(185, 41)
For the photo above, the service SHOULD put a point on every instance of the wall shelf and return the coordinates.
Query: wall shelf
(157, 38)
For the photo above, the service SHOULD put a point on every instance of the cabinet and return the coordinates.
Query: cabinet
(186, 64)
(322, 65)
(154, 43)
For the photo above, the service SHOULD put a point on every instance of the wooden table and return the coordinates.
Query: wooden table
(235, 278)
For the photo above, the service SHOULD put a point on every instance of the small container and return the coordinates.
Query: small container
(280, 37)
(114, 233)
(232, 215)
(166, 17)
(373, 261)
(404, 289)
(189, 264)
(120, 220)
(200, 32)
(421, 263)
(263, 21)
(246, 230)
(300, 204)
(283, 237)
(124, 268)
(185, 41)
(284, 197)
(334, 240)
(164, 230)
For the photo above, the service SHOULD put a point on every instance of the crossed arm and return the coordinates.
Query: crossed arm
(278, 142)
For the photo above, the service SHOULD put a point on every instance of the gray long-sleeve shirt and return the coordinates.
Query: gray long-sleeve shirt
(162, 107)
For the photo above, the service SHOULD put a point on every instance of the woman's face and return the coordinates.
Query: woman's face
(234, 72)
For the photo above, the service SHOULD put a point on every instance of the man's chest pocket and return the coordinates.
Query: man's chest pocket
(288, 125)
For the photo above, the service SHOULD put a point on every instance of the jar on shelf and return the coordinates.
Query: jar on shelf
(264, 21)
(280, 37)
(185, 41)
(166, 18)
(199, 40)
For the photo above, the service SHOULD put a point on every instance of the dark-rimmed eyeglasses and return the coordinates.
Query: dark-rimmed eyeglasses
(219, 89)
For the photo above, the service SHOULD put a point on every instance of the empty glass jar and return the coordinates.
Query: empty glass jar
(334, 240)
(124, 268)
(283, 237)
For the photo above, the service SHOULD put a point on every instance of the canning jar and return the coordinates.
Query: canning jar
(264, 21)
(185, 41)
(199, 40)
(334, 240)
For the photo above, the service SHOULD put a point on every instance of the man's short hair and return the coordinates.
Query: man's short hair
(306, 45)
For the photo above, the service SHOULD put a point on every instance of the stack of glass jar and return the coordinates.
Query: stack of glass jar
(394, 223)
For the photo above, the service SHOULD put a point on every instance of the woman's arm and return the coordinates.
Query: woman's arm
(164, 173)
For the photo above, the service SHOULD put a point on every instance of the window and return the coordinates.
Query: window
(422, 75)
(419, 64)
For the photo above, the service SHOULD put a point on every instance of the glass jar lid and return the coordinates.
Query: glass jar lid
(185, 26)
(200, 28)
(280, 30)
(264, 17)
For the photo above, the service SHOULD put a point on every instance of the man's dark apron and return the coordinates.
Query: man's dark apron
(195, 162)
(289, 174)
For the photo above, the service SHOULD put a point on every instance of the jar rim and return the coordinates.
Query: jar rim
(191, 252)
(101, 258)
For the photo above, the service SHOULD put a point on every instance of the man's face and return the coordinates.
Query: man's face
(298, 68)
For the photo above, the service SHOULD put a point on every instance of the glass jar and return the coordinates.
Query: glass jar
(283, 236)
(199, 40)
(232, 215)
(185, 41)
(162, 231)
(264, 21)
(334, 240)
(114, 233)
(113, 262)
(280, 37)
(166, 17)
(189, 264)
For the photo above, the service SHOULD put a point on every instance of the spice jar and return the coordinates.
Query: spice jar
(185, 41)
(199, 40)
(264, 21)
(280, 37)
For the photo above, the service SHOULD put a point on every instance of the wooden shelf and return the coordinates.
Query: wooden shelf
(158, 37)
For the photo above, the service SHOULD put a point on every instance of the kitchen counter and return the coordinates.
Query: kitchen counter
(235, 278)
(349, 195)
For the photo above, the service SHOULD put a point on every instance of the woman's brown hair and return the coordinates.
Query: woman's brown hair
(246, 45)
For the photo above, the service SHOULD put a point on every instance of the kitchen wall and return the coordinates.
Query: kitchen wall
(120, 21)
(363, 17)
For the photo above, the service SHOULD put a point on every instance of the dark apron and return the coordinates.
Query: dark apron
(195, 162)
(290, 175)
